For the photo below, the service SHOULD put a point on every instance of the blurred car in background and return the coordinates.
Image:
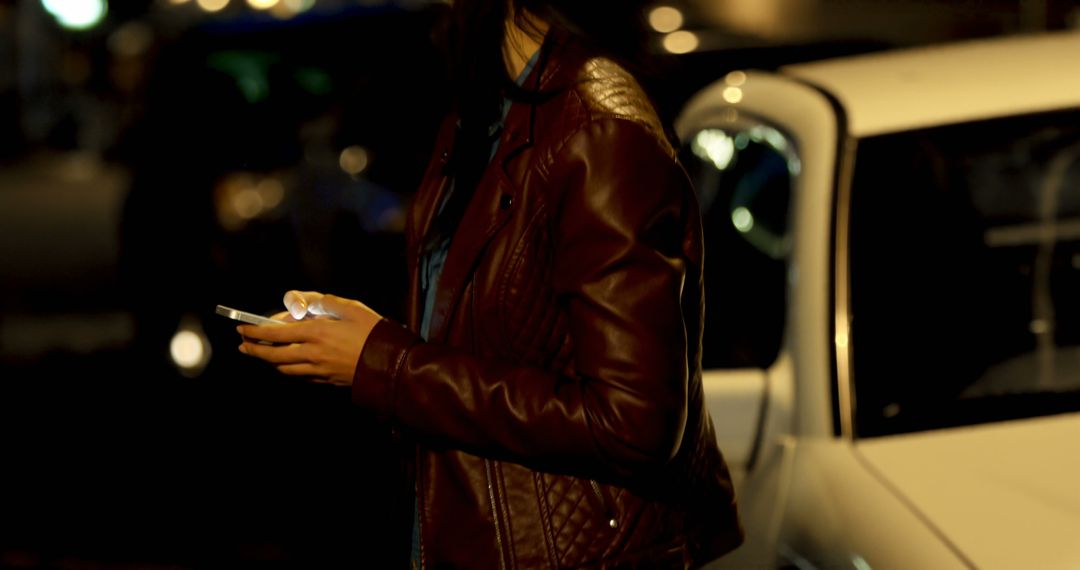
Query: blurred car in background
(894, 241)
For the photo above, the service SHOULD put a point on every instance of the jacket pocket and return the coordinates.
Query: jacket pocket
(578, 520)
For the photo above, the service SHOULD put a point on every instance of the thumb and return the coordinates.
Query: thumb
(299, 303)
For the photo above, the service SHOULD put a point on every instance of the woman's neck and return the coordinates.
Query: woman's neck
(519, 45)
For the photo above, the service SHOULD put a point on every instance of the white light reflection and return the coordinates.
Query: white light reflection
(76, 14)
(775, 139)
(186, 349)
(769, 136)
(262, 4)
(681, 41)
(742, 219)
(665, 19)
(794, 166)
(715, 146)
(189, 348)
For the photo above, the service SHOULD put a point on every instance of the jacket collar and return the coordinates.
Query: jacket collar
(493, 200)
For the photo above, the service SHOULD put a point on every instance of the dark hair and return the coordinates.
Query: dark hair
(479, 79)
(473, 38)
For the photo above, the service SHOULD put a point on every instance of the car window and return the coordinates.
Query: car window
(743, 173)
(965, 263)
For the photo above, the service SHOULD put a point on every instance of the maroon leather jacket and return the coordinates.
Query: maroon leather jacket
(558, 402)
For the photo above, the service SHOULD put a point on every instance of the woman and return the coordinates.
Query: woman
(547, 385)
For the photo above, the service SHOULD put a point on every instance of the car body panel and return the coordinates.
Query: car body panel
(922, 87)
(736, 400)
(994, 489)
(811, 494)
(815, 503)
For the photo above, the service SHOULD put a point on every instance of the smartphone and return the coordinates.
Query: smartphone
(246, 317)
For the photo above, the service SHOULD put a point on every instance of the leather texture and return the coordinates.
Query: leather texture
(557, 406)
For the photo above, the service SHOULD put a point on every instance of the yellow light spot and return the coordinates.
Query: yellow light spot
(735, 78)
(665, 19)
(213, 5)
(354, 160)
(732, 95)
(247, 203)
(681, 41)
(271, 191)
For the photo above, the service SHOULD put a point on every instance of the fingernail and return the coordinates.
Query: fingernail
(243, 349)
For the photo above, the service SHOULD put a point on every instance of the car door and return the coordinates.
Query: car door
(762, 150)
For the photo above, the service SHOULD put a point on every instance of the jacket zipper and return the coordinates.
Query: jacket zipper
(604, 504)
(495, 513)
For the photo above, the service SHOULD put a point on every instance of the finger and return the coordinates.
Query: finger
(303, 369)
(280, 354)
(340, 307)
(299, 302)
(287, 333)
(295, 303)
(285, 316)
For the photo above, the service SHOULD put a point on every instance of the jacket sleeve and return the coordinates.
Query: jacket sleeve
(619, 201)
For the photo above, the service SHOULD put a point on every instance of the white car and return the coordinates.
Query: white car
(893, 329)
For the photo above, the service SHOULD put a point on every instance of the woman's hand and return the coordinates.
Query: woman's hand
(322, 338)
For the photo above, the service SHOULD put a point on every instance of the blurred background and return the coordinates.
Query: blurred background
(159, 157)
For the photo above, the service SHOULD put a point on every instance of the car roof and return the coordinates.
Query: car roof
(935, 85)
